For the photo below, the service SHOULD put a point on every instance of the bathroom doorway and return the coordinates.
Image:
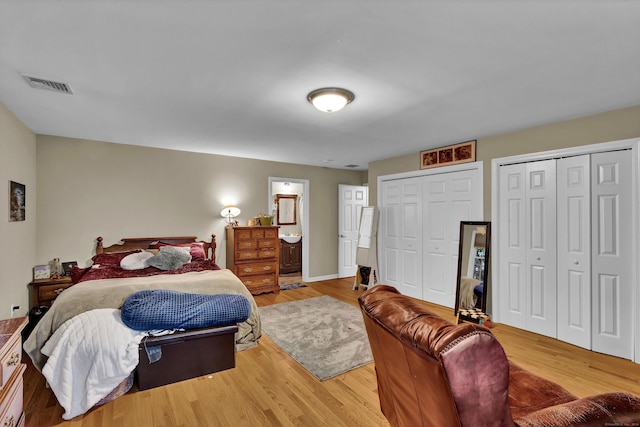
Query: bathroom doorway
(293, 208)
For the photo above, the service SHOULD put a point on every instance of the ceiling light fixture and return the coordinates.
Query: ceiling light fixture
(330, 99)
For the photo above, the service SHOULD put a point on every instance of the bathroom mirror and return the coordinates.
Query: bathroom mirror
(473, 265)
(287, 209)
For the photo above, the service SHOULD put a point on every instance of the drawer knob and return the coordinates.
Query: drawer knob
(58, 291)
(248, 269)
(14, 359)
(267, 267)
(10, 421)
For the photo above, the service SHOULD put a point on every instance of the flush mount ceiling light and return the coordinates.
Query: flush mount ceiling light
(330, 99)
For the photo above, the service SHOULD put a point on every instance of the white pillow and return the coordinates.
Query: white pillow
(136, 261)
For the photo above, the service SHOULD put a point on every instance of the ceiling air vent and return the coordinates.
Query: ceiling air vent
(351, 166)
(37, 83)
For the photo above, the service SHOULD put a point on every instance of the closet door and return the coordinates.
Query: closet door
(574, 250)
(612, 249)
(527, 240)
(401, 233)
(447, 199)
(540, 222)
(512, 244)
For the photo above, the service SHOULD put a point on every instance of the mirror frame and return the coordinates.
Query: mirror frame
(485, 273)
(282, 220)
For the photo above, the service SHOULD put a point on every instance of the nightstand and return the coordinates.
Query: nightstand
(44, 291)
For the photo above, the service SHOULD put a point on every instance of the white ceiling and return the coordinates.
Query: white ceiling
(231, 77)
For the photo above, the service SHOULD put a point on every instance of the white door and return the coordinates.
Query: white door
(612, 249)
(540, 220)
(400, 236)
(352, 198)
(574, 250)
(447, 199)
(512, 244)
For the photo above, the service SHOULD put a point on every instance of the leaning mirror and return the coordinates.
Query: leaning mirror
(473, 265)
(287, 209)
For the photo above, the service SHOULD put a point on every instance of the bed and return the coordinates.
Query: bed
(100, 290)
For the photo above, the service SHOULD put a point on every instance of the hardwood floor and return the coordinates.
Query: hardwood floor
(269, 388)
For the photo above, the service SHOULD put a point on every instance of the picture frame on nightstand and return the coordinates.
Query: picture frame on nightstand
(41, 272)
(67, 266)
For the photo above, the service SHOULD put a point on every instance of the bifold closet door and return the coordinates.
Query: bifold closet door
(574, 250)
(527, 266)
(447, 199)
(540, 222)
(612, 249)
(401, 233)
(512, 244)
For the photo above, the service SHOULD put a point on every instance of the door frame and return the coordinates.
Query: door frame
(625, 144)
(304, 218)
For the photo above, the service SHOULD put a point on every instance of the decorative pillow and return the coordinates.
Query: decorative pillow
(136, 261)
(170, 258)
(111, 259)
(166, 309)
(196, 249)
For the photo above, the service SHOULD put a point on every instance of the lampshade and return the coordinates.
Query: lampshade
(230, 212)
(330, 99)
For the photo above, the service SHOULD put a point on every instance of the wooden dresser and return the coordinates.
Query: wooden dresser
(253, 256)
(11, 371)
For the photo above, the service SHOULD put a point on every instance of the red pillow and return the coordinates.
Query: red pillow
(111, 259)
(196, 249)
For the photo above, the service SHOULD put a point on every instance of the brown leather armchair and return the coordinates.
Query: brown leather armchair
(433, 373)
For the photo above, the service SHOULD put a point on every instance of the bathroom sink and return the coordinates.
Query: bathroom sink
(290, 239)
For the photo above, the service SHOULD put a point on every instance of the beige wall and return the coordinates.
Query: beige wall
(17, 239)
(610, 126)
(90, 188)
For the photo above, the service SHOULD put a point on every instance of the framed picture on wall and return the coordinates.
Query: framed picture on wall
(449, 155)
(17, 201)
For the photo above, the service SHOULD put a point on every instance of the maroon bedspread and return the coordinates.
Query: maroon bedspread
(101, 271)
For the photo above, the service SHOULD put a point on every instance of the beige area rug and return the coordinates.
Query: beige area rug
(323, 334)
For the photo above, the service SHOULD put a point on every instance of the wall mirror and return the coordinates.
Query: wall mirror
(287, 209)
(473, 265)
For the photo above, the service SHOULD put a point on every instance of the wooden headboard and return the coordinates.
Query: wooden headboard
(133, 243)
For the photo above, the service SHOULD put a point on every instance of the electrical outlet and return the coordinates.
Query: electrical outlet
(14, 308)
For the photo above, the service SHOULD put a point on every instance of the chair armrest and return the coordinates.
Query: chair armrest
(619, 409)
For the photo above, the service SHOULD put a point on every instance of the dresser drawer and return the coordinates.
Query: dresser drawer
(11, 408)
(255, 268)
(242, 245)
(271, 234)
(48, 293)
(246, 255)
(267, 253)
(10, 360)
(259, 281)
(267, 243)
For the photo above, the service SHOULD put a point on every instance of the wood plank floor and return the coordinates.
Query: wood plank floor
(268, 388)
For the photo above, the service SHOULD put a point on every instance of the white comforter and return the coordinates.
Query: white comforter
(89, 355)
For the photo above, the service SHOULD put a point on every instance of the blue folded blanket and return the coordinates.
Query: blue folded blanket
(164, 309)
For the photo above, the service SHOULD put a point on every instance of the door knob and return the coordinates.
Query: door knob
(343, 236)
(576, 262)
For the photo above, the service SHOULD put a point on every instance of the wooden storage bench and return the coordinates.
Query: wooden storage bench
(187, 354)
